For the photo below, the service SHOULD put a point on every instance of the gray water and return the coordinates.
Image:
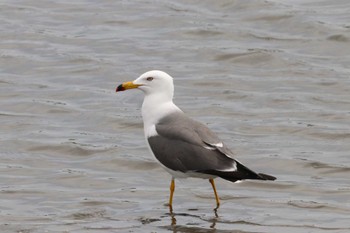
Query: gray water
(270, 77)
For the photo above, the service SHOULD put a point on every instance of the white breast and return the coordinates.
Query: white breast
(154, 109)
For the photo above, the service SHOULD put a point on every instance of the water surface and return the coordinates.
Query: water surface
(270, 77)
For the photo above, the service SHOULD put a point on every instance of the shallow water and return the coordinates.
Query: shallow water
(270, 77)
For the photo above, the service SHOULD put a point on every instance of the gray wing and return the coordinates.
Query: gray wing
(183, 144)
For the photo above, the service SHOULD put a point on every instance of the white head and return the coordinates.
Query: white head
(159, 90)
(153, 82)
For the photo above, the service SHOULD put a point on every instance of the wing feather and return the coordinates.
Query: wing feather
(183, 144)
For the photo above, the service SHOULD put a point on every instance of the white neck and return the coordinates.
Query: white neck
(154, 108)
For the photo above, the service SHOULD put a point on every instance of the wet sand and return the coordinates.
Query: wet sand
(270, 77)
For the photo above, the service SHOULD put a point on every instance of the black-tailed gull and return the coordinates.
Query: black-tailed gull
(183, 146)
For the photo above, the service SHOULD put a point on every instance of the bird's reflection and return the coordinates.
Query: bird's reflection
(215, 218)
(176, 227)
(172, 216)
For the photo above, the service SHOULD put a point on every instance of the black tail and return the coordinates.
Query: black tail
(242, 173)
(266, 177)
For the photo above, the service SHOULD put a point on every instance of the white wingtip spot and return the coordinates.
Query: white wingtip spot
(230, 169)
(220, 144)
(209, 147)
(213, 146)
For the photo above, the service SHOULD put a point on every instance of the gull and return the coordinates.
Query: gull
(184, 147)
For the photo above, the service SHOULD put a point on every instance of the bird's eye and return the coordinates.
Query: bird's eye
(149, 78)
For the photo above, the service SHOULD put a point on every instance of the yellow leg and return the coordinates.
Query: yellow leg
(172, 189)
(216, 194)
